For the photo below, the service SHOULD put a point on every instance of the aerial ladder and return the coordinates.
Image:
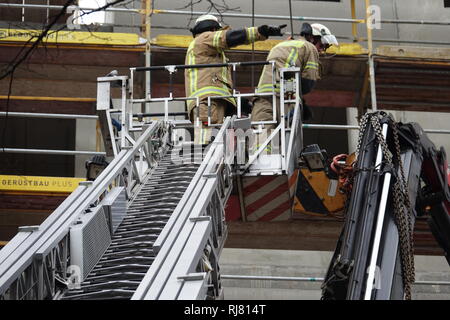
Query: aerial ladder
(151, 225)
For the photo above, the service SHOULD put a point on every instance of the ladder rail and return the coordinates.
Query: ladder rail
(295, 143)
(28, 257)
(196, 224)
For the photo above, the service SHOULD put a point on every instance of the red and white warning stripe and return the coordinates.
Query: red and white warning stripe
(269, 198)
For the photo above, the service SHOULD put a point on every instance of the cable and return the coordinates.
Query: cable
(290, 19)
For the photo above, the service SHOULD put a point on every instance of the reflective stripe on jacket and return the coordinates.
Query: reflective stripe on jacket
(208, 48)
(290, 53)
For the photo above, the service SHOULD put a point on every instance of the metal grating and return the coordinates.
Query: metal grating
(89, 239)
(130, 254)
(115, 204)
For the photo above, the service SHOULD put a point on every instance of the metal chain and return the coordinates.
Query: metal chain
(362, 127)
(402, 203)
(403, 216)
(375, 121)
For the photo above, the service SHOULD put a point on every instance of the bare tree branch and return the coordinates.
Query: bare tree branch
(28, 48)
(213, 6)
(36, 40)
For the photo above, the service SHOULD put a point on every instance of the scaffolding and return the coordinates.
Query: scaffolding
(147, 10)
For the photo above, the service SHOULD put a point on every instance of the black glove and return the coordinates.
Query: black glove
(246, 106)
(267, 31)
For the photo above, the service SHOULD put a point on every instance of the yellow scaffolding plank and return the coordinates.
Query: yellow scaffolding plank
(78, 37)
(130, 39)
(182, 41)
(348, 49)
(10, 183)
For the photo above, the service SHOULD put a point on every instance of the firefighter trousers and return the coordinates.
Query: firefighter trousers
(203, 133)
(218, 109)
(263, 111)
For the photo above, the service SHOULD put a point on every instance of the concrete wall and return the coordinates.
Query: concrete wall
(308, 264)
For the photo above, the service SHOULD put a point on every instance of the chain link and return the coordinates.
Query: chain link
(362, 128)
(403, 216)
(375, 121)
(402, 203)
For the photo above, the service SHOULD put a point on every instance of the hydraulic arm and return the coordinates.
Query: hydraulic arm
(398, 175)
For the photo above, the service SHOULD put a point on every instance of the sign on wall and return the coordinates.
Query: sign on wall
(38, 184)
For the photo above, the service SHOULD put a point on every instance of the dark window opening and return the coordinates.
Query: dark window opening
(334, 141)
(446, 3)
(38, 133)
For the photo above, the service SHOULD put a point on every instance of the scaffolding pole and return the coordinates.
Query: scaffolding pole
(354, 24)
(312, 279)
(225, 14)
(47, 115)
(148, 12)
(50, 151)
(370, 56)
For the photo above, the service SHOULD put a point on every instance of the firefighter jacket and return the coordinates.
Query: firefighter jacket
(208, 48)
(291, 53)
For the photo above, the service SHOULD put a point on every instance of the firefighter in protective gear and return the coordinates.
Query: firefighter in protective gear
(210, 41)
(302, 53)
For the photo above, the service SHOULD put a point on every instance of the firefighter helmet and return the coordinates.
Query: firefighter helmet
(319, 30)
(325, 34)
(206, 22)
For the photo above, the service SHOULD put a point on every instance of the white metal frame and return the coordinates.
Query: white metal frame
(289, 149)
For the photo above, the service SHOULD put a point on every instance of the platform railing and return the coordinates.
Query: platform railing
(235, 94)
(284, 81)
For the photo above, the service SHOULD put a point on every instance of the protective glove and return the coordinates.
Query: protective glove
(267, 31)
(246, 106)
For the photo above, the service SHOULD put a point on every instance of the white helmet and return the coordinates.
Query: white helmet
(325, 34)
(206, 17)
(206, 22)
